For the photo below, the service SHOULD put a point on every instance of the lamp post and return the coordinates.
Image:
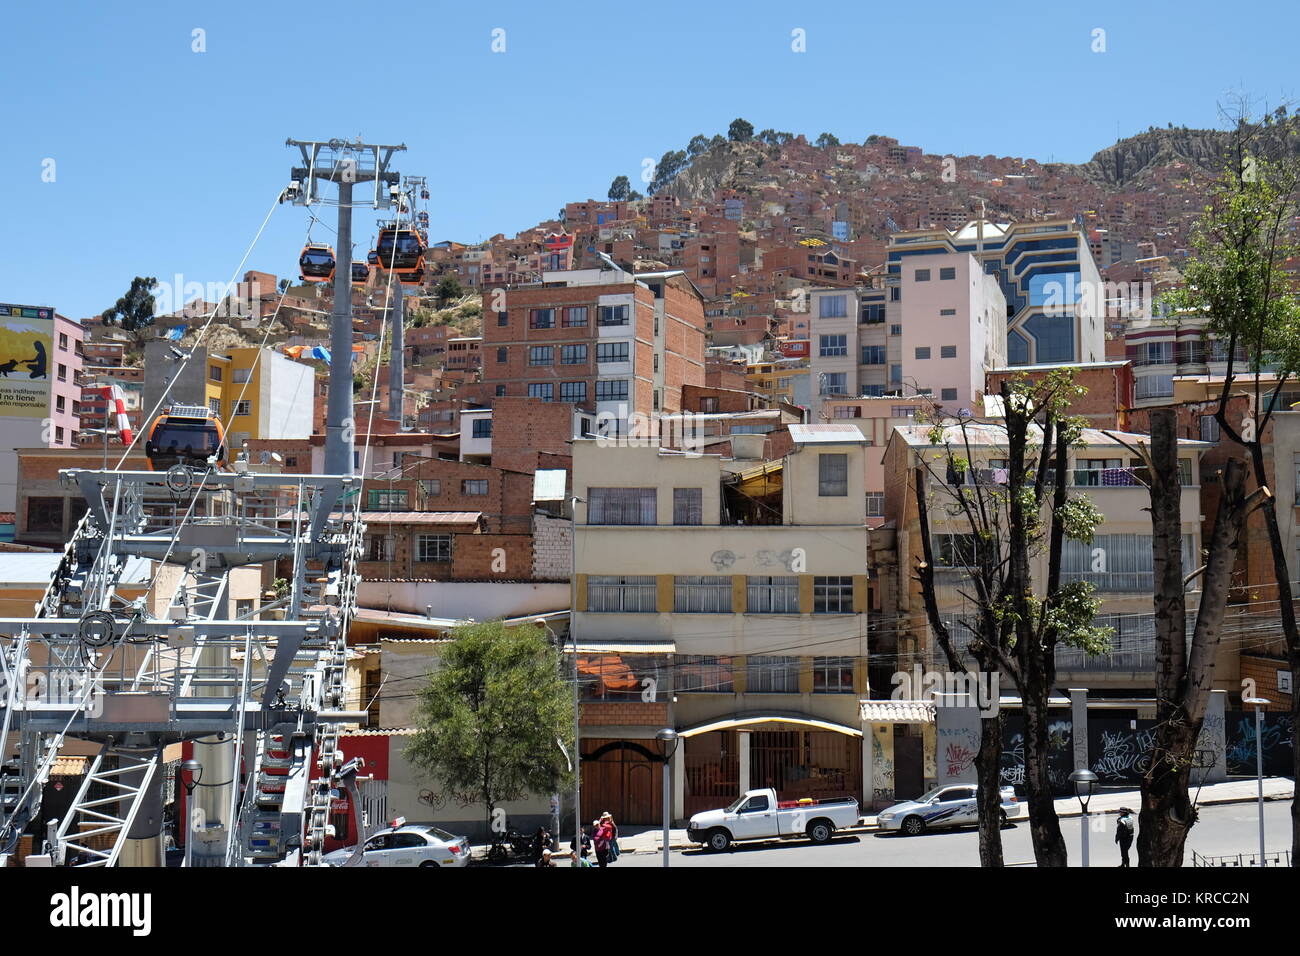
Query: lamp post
(1259, 704)
(574, 501)
(670, 740)
(576, 762)
(1084, 782)
(195, 771)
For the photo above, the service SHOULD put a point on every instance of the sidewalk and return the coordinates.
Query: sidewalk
(1232, 791)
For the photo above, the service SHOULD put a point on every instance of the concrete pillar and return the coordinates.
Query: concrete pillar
(742, 738)
(143, 843)
(957, 741)
(866, 767)
(1213, 740)
(679, 783)
(1079, 726)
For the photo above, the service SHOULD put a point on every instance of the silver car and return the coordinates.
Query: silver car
(946, 806)
(413, 844)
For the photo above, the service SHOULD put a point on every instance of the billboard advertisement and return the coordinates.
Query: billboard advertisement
(26, 338)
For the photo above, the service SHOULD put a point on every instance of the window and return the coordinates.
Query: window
(59, 403)
(1116, 562)
(214, 373)
(833, 345)
(947, 272)
(895, 375)
(954, 550)
(902, 411)
(612, 315)
(433, 547)
(482, 428)
(947, 351)
(612, 351)
(873, 355)
(832, 475)
(291, 461)
(379, 547)
(702, 594)
(503, 319)
(430, 487)
(948, 394)
(621, 506)
(1210, 429)
(622, 676)
(688, 506)
(614, 390)
(541, 318)
(573, 355)
(832, 675)
(474, 486)
(709, 405)
(541, 355)
(895, 330)
(873, 314)
(575, 316)
(770, 594)
(242, 407)
(833, 595)
(58, 434)
(848, 411)
(922, 275)
(63, 372)
(573, 391)
(63, 341)
(1156, 353)
(629, 594)
(543, 390)
(923, 351)
(503, 355)
(386, 499)
(947, 311)
(875, 504)
(834, 383)
(702, 674)
(500, 391)
(771, 675)
(895, 294)
(1153, 386)
(241, 376)
(831, 307)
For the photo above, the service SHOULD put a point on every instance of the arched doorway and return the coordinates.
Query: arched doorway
(623, 777)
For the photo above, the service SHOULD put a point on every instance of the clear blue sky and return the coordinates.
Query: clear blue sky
(167, 159)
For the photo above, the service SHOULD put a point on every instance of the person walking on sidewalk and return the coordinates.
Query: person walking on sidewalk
(605, 840)
(1124, 833)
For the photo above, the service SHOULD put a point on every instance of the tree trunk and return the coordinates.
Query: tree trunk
(989, 795)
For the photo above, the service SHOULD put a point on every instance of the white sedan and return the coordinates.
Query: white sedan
(415, 844)
(950, 806)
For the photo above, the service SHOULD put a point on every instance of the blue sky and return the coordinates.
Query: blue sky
(166, 160)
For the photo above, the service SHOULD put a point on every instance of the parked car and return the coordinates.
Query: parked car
(412, 844)
(758, 815)
(946, 806)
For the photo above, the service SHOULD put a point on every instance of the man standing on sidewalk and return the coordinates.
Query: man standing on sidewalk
(1124, 833)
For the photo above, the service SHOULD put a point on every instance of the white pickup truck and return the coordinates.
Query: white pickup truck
(758, 815)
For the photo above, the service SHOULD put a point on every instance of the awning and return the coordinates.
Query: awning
(896, 711)
(620, 647)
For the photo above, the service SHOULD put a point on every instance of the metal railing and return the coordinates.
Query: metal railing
(1273, 858)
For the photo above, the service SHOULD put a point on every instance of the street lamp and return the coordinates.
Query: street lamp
(1084, 782)
(670, 740)
(195, 771)
(575, 763)
(1259, 704)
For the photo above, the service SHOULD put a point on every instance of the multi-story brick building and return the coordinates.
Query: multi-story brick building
(610, 341)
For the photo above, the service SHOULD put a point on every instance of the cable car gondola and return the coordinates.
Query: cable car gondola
(186, 435)
(360, 273)
(373, 258)
(401, 249)
(316, 263)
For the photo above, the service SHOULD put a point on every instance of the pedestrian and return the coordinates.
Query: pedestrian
(604, 839)
(1124, 833)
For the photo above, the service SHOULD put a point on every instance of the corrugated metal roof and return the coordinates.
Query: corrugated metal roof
(842, 434)
(896, 711)
(549, 484)
(38, 567)
(421, 517)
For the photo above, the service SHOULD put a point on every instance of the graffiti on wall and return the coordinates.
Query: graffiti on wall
(1279, 729)
(1060, 754)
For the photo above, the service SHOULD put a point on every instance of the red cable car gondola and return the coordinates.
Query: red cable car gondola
(360, 273)
(187, 435)
(316, 263)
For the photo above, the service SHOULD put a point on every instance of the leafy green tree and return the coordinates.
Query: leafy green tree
(448, 288)
(634, 195)
(698, 144)
(740, 131)
(827, 139)
(1237, 277)
(619, 189)
(135, 310)
(718, 140)
(672, 163)
(1014, 623)
(493, 715)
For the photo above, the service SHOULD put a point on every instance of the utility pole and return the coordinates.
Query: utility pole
(345, 164)
(397, 360)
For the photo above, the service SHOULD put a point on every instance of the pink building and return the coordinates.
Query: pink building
(65, 382)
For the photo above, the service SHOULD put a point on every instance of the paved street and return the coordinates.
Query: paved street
(1228, 829)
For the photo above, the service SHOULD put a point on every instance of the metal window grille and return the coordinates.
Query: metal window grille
(833, 595)
(688, 506)
(772, 594)
(702, 594)
(634, 594)
(772, 675)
